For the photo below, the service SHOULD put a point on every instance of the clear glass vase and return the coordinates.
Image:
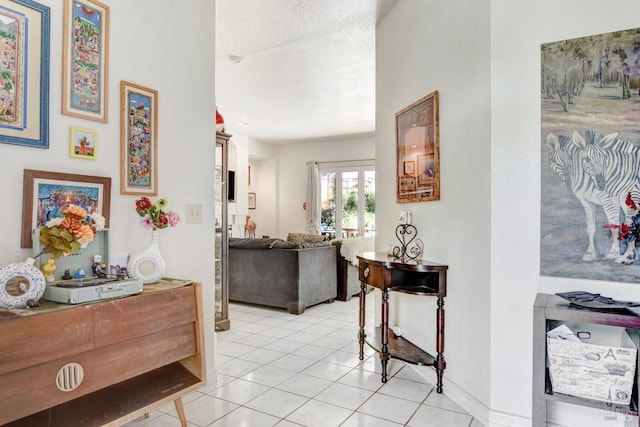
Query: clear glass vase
(147, 265)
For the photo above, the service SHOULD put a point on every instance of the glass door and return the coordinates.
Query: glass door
(347, 200)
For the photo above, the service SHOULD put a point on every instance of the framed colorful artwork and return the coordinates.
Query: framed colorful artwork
(24, 92)
(252, 200)
(418, 145)
(138, 140)
(45, 194)
(83, 143)
(85, 60)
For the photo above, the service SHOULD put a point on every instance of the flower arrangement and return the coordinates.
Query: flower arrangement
(153, 214)
(71, 232)
(630, 233)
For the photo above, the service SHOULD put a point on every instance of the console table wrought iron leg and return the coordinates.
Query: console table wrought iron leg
(384, 353)
(361, 334)
(440, 362)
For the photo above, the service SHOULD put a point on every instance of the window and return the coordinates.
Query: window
(347, 199)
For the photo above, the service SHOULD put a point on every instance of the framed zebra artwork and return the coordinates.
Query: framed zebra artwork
(590, 147)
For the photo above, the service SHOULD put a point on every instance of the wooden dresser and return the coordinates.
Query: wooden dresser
(125, 357)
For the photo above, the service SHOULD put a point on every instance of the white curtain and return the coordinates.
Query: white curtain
(313, 189)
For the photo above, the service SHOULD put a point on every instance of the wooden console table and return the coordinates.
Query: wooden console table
(104, 363)
(412, 277)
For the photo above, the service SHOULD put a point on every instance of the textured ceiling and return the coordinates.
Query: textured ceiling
(308, 69)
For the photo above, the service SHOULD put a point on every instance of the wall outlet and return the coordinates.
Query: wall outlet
(405, 217)
(194, 214)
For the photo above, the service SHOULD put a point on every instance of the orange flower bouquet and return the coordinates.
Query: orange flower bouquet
(71, 232)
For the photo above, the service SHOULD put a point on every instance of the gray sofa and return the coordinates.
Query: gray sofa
(278, 273)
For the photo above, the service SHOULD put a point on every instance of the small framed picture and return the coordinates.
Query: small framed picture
(83, 143)
(252, 200)
(407, 186)
(410, 167)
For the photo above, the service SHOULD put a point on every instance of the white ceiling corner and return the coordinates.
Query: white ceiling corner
(308, 69)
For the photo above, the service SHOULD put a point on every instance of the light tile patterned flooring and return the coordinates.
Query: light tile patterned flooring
(278, 369)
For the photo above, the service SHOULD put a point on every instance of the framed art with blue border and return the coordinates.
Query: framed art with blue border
(24, 86)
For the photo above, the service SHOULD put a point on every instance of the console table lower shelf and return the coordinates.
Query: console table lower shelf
(399, 348)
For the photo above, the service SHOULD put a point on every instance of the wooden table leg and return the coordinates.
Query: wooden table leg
(180, 410)
(384, 353)
(361, 334)
(440, 362)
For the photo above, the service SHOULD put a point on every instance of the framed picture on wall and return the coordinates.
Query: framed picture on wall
(83, 143)
(45, 194)
(85, 60)
(418, 146)
(138, 140)
(24, 92)
(252, 200)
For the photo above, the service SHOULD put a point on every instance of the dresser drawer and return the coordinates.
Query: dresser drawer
(38, 338)
(136, 316)
(371, 274)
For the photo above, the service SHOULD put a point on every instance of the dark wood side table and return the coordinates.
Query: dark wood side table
(415, 277)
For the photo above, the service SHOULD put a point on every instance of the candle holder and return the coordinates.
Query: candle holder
(410, 246)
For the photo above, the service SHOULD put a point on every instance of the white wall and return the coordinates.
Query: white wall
(484, 58)
(424, 46)
(186, 134)
(291, 191)
(264, 184)
(518, 30)
(275, 178)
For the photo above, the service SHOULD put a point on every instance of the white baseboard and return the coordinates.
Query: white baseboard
(470, 404)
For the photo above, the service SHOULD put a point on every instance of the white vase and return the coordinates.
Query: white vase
(141, 260)
(27, 287)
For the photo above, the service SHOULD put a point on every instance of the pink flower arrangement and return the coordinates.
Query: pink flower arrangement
(154, 215)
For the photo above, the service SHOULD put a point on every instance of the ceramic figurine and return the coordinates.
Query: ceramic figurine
(80, 274)
(249, 227)
(67, 274)
(48, 268)
(98, 266)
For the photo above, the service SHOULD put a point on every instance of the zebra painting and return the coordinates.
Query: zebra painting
(566, 155)
(613, 166)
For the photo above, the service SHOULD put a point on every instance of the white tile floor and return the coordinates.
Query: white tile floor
(278, 369)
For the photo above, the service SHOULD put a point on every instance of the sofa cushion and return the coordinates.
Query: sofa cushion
(305, 238)
(247, 243)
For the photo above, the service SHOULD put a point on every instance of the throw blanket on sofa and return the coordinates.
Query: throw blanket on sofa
(353, 246)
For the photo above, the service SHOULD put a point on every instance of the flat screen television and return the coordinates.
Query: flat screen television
(231, 186)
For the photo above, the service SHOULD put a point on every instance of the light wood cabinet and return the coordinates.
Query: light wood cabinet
(125, 357)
